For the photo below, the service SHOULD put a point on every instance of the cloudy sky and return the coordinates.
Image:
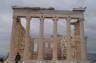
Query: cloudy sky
(6, 18)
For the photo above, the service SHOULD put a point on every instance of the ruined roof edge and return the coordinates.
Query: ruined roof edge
(33, 8)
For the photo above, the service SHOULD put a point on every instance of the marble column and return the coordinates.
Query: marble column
(55, 33)
(68, 34)
(13, 48)
(27, 52)
(77, 41)
(41, 42)
(83, 42)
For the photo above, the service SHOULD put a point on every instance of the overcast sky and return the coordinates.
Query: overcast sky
(6, 18)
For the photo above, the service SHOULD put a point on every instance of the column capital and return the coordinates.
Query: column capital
(28, 18)
(68, 18)
(81, 19)
(55, 18)
(14, 17)
(42, 18)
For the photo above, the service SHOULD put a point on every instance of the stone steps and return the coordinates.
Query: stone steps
(45, 61)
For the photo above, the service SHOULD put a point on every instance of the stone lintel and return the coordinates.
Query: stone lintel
(48, 12)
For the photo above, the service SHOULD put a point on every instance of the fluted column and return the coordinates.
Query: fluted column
(27, 52)
(83, 42)
(55, 33)
(41, 42)
(68, 32)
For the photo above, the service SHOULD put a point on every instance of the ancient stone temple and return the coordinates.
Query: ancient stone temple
(70, 48)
